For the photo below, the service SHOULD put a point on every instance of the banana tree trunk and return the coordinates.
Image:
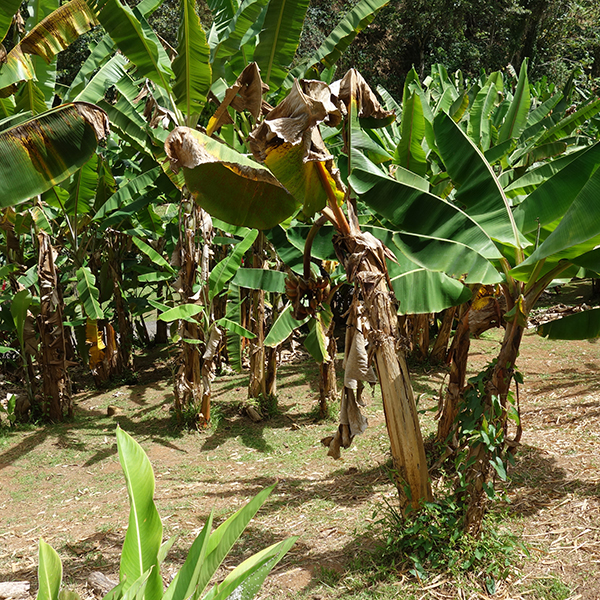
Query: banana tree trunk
(328, 379)
(117, 244)
(364, 259)
(420, 336)
(440, 346)
(258, 382)
(480, 472)
(187, 387)
(458, 355)
(57, 403)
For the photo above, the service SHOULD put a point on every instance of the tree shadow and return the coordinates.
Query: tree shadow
(538, 480)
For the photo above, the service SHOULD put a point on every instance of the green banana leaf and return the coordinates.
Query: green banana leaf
(279, 39)
(99, 56)
(185, 582)
(520, 187)
(316, 341)
(413, 210)
(193, 76)
(223, 538)
(82, 189)
(234, 327)
(135, 39)
(479, 128)
(565, 126)
(126, 193)
(246, 579)
(152, 254)
(579, 326)
(478, 189)
(144, 532)
(551, 200)
(322, 245)
(94, 90)
(30, 98)
(234, 31)
(446, 256)
(233, 312)
(18, 310)
(224, 271)
(260, 279)
(59, 29)
(47, 149)
(18, 67)
(8, 8)
(577, 233)
(409, 152)
(283, 327)
(420, 291)
(49, 573)
(223, 11)
(227, 184)
(186, 312)
(516, 117)
(89, 294)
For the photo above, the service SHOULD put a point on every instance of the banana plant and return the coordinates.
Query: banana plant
(526, 245)
(144, 550)
(299, 170)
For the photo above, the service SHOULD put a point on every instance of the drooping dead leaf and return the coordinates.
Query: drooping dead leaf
(353, 87)
(212, 344)
(245, 94)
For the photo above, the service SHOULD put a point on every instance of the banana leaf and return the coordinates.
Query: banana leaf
(191, 67)
(100, 54)
(577, 233)
(228, 185)
(409, 152)
(283, 327)
(95, 90)
(279, 39)
(8, 8)
(478, 189)
(228, 267)
(144, 532)
(516, 117)
(551, 200)
(579, 326)
(336, 43)
(413, 210)
(59, 29)
(89, 294)
(135, 39)
(260, 279)
(49, 573)
(233, 32)
(48, 149)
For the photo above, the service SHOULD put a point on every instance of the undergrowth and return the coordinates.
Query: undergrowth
(432, 540)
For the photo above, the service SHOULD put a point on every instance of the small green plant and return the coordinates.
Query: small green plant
(144, 551)
(9, 409)
(550, 588)
(433, 540)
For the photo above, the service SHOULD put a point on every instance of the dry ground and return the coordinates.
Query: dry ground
(63, 483)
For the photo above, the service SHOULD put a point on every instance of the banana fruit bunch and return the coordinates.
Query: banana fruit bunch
(306, 295)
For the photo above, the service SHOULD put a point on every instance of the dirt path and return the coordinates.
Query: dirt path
(63, 483)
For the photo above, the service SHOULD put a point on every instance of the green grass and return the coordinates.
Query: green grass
(549, 588)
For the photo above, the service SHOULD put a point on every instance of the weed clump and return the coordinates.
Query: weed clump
(432, 540)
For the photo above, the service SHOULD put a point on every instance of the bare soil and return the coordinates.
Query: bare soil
(63, 483)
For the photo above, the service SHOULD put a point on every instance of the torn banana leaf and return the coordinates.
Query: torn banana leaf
(227, 184)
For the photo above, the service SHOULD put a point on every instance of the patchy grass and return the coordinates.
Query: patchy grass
(63, 482)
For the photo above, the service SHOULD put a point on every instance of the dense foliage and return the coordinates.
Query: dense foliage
(472, 35)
